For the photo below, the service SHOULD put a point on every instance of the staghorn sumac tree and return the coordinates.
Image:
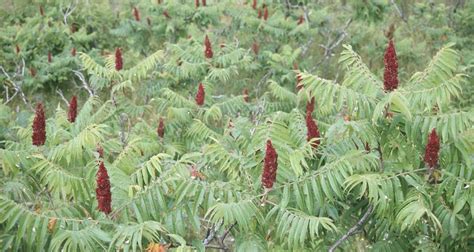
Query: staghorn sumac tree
(152, 163)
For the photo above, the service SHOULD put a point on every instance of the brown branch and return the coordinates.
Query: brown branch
(227, 232)
(354, 229)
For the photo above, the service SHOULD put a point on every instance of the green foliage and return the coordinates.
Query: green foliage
(199, 186)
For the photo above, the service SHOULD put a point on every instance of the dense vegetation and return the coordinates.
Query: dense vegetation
(246, 125)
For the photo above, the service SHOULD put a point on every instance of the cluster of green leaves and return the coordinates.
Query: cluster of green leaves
(202, 180)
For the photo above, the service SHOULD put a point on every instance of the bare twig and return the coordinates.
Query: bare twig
(16, 85)
(342, 34)
(399, 11)
(263, 80)
(290, 6)
(215, 247)
(305, 47)
(306, 14)
(211, 233)
(123, 135)
(85, 85)
(60, 93)
(331, 45)
(227, 232)
(68, 12)
(354, 229)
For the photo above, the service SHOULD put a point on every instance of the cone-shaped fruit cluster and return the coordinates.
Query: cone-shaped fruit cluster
(270, 166)
(102, 191)
(32, 71)
(313, 131)
(118, 59)
(432, 150)
(208, 48)
(72, 113)
(390, 75)
(136, 14)
(255, 48)
(200, 95)
(161, 128)
(39, 126)
(301, 20)
(246, 95)
(50, 57)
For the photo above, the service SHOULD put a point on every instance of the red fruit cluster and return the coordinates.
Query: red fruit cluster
(39, 126)
(310, 105)
(17, 49)
(254, 4)
(73, 52)
(200, 95)
(204, 2)
(265, 14)
(208, 48)
(32, 71)
(259, 13)
(313, 131)
(118, 59)
(255, 48)
(50, 57)
(432, 150)
(270, 166)
(102, 191)
(196, 3)
(161, 128)
(73, 28)
(72, 113)
(301, 20)
(390, 75)
(246, 95)
(136, 14)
